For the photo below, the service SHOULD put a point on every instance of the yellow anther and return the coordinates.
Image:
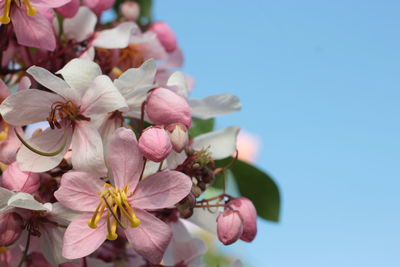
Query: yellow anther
(31, 10)
(4, 133)
(5, 19)
(97, 215)
(112, 226)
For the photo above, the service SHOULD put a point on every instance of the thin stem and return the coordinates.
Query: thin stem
(144, 166)
(142, 117)
(210, 206)
(25, 253)
(160, 167)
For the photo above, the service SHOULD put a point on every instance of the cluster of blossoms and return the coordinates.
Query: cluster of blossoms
(111, 175)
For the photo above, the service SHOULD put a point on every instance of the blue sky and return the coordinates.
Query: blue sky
(319, 82)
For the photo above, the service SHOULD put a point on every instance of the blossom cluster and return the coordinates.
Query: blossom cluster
(99, 167)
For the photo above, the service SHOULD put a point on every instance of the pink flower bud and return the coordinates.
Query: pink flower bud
(229, 226)
(165, 35)
(179, 136)
(155, 144)
(249, 216)
(98, 6)
(16, 180)
(70, 9)
(166, 107)
(11, 226)
(130, 10)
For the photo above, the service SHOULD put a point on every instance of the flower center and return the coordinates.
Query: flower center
(130, 57)
(5, 19)
(115, 203)
(61, 110)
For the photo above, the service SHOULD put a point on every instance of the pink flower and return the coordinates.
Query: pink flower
(229, 226)
(16, 180)
(30, 26)
(125, 202)
(165, 35)
(84, 94)
(249, 215)
(166, 107)
(155, 144)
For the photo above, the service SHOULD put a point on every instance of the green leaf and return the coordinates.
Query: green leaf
(201, 126)
(256, 185)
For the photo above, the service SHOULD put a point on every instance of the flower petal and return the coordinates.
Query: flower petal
(10, 146)
(54, 83)
(47, 141)
(161, 190)
(124, 158)
(33, 31)
(25, 201)
(80, 240)
(79, 191)
(4, 91)
(205, 219)
(151, 238)
(215, 105)
(87, 149)
(221, 143)
(5, 195)
(177, 81)
(63, 213)
(79, 74)
(81, 26)
(117, 37)
(17, 111)
(49, 3)
(51, 243)
(102, 97)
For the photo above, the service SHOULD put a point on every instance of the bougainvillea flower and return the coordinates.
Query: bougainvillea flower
(124, 202)
(30, 26)
(85, 93)
(82, 27)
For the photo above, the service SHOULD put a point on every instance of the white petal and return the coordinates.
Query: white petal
(205, 219)
(25, 201)
(51, 243)
(52, 82)
(102, 97)
(178, 82)
(81, 26)
(221, 143)
(117, 37)
(47, 141)
(63, 213)
(79, 74)
(215, 105)
(5, 195)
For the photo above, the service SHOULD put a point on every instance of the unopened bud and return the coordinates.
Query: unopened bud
(130, 10)
(154, 144)
(207, 175)
(11, 226)
(186, 213)
(70, 9)
(165, 35)
(196, 191)
(249, 215)
(179, 136)
(229, 226)
(16, 180)
(166, 107)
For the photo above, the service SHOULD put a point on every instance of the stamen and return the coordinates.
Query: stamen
(5, 19)
(4, 133)
(42, 153)
(31, 10)
(112, 227)
(97, 215)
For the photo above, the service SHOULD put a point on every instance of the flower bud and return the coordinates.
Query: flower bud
(130, 10)
(154, 144)
(16, 180)
(165, 35)
(70, 9)
(229, 226)
(249, 215)
(179, 136)
(167, 107)
(98, 6)
(11, 226)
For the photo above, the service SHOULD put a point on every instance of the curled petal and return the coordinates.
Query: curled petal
(215, 105)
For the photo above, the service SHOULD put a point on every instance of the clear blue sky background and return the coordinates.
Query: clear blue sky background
(319, 82)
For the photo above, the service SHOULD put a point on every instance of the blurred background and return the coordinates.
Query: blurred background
(319, 83)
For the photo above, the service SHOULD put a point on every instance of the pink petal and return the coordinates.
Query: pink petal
(10, 146)
(161, 190)
(69, 10)
(151, 238)
(49, 3)
(80, 240)
(4, 91)
(124, 159)
(87, 149)
(79, 191)
(16, 180)
(24, 84)
(17, 111)
(102, 97)
(47, 141)
(35, 31)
